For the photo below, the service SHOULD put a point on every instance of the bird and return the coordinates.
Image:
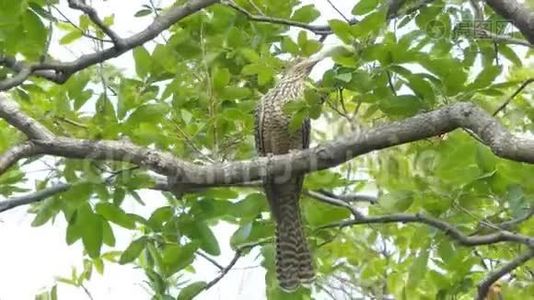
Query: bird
(273, 136)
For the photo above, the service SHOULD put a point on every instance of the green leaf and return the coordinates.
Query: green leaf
(510, 54)
(318, 213)
(250, 55)
(208, 241)
(288, 45)
(142, 61)
(148, 113)
(176, 257)
(133, 251)
(142, 13)
(397, 201)
(364, 7)
(115, 214)
(306, 14)
(421, 87)
(486, 77)
(221, 78)
(344, 77)
(403, 105)
(190, 291)
(91, 230)
(418, 269)
(241, 235)
(108, 238)
(70, 37)
(342, 30)
(159, 217)
(370, 25)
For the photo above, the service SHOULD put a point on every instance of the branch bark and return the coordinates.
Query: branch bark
(434, 123)
(34, 197)
(448, 229)
(14, 154)
(484, 286)
(93, 15)
(519, 14)
(60, 72)
(317, 29)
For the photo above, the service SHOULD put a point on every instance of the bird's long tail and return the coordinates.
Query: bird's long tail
(293, 257)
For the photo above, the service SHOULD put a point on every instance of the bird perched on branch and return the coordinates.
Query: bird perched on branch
(273, 136)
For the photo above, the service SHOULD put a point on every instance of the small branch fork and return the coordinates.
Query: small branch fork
(317, 29)
(59, 72)
(240, 251)
(92, 14)
(448, 229)
(485, 285)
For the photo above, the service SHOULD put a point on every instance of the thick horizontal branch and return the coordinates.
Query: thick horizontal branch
(60, 72)
(14, 154)
(484, 286)
(518, 13)
(33, 197)
(448, 229)
(10, 112)
(422, 126)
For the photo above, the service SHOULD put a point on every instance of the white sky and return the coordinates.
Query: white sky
(31, 258)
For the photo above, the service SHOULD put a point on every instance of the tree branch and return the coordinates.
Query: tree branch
(334, 201)
(238, 253)
(351, 197)
(18, 119)
(224, 271)
(317, 29)
(448, 229)
(61, 71)
(519, 14)
(519, 90)
(211, 260)
(34, 197)
(93, 15)
(14, 154)
(484, 286)
(434, 123)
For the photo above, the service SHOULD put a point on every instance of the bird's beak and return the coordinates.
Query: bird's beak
(312, 61)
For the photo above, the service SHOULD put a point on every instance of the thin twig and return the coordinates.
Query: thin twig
(211, 260)
(87, 35)
(93, 15)
(484, 285)
(448, 229)
(509, 224)
(224, 271)
(33, 197)
(338, 11)
(519, 90)
(351, 197)
(238, 253)
(334, 201)
(317, 29)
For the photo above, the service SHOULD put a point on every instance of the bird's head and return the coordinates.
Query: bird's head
(301, 67)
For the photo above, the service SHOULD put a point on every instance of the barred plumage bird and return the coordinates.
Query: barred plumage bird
(273, 136)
